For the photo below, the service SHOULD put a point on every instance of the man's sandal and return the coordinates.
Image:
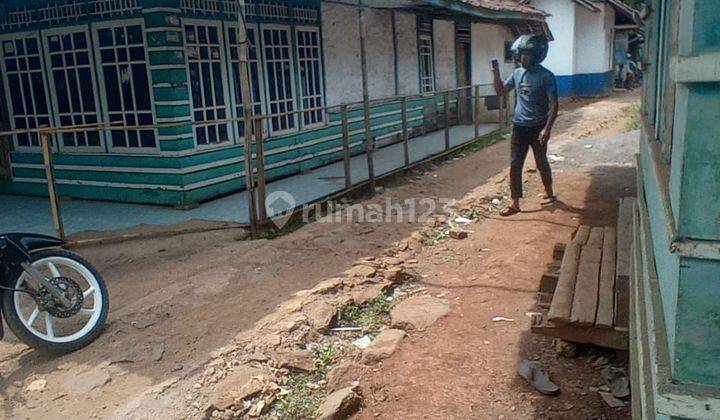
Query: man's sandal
(509, 211)
(548, 199)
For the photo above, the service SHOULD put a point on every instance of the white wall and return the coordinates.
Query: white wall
(488, 43)
(341, 45)
(408, 72)
(380, 56)
(561, 56)
(444, 49)
(592, 43)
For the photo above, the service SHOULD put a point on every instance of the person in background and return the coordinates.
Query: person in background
(536, 108)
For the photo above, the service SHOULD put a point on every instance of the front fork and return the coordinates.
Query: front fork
(44, 282)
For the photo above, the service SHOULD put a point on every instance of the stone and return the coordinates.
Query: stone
(361, 271)
(344, 374)
(339, 405)
(36, 385)
(360, 295)
(457, 233)
(329, 285)
(320, 314)
(241, 383)
(87, 381)
(302, 360)
(383, 346)
(394, 274)
(419, 312)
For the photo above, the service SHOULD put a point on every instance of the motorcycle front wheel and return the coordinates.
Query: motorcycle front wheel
(53, 329)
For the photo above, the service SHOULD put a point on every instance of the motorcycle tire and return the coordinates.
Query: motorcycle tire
(16, 325)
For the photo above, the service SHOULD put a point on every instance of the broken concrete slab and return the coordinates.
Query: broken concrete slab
(240, 384)
(362, 271)
(344, 374)
(419, 312)
(327, 286)
(320, 314)
(383, 346)
(339, 405)
(363, 294)
(302, 360)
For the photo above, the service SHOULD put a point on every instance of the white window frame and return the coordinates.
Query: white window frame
(8, 98)
(431, 59)
(46, 34)
(291, 60)
(232, 137)
(300, 99)
(95, 27)
(261, 75)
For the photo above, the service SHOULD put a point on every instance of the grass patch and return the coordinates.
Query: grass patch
(633, 112)
(301, 403)
(434, 236)
(370, 316)
(325, 358)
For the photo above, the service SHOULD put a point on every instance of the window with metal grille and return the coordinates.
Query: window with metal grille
(427, 65)
(207, 83)
(71, 79)
(279, 78)
(255, 76)
(126, 85)
(25, 88)
(311, 82)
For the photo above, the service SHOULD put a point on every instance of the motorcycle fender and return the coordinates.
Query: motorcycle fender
(32, 242)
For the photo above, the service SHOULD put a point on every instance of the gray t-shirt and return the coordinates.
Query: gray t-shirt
(534, 88)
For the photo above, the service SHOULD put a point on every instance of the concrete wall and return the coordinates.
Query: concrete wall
(561, 57)
(408, 72)
(444, 48)
(488, 43)
(592, 40)
(380, 55)
(341, 46)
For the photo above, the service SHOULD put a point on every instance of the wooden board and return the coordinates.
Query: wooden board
(563, 298)
(582, 235)
(585, 299)
(606, 289)
(548, 282)
(558, 251)
(626, 209)
(603, 337)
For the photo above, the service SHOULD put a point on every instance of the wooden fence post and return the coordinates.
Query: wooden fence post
(260, 146)
(346, 145)
(52, 190)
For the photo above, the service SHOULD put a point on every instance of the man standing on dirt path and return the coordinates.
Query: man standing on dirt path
(536, 107)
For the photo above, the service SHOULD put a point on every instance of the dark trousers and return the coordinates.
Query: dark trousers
(523, 138)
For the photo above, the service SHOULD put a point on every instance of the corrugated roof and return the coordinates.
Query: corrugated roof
(505, 5)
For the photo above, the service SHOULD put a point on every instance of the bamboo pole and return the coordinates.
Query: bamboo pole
(476, 110)
(405, 139)
(346, 146)
(260, 146)
(446, 103)
(246, 93)
(52, 190)
(369, 143)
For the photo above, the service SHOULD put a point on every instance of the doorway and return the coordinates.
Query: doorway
(463, 61)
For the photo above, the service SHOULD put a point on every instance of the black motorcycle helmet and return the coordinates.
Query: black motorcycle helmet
(535, 45)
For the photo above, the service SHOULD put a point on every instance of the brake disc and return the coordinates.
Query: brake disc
(72, 292)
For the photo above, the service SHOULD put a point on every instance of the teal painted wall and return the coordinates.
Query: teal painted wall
(697, 355)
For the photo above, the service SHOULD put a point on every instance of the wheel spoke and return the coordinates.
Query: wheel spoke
(49, 325)
(33, 316)
(88, 310)
(88, 292)
(55, 272)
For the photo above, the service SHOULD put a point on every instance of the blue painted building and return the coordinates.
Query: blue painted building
(174, 63)
(582, 55)
(675, 291)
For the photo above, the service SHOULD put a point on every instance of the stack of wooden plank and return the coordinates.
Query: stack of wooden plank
(586, 300)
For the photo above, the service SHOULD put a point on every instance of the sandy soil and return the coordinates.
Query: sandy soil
(175, 300)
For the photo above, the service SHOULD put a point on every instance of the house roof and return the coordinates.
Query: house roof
(506, 5)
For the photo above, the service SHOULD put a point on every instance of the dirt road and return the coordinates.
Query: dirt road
(176, 300)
